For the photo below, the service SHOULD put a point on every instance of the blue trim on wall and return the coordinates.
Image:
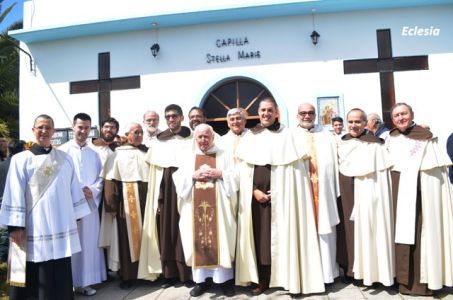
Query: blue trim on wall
(185, 18)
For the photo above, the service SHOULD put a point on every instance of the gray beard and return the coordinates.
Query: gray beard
(307, 125)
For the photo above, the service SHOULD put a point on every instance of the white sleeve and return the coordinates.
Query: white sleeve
(13, 211)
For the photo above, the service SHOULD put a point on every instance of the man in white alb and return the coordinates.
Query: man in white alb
(88, 266)
(41, 203)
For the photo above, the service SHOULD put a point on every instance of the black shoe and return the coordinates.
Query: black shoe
(199, 289)
(347, 279)
(168, 282)
(126, 284)
(228, 288)
(261, 288)
(189, 283)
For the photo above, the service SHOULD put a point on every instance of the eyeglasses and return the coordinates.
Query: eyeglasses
(168, 117)
(42, 128)
(305, 113)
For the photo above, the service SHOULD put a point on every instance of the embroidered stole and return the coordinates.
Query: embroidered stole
(37, 186)
(206, 236)
(133, 215)
(314, 179)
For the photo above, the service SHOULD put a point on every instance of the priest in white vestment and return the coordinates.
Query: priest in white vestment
(366, 204)
(323, 169)
(277, 242)
(88, 265)
(218, 182)
(424, 206)
(41, 203)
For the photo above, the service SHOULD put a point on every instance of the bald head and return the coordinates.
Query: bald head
(356, 122)
(306, 114)
(204, 136)
(134, 133)
(373, 122)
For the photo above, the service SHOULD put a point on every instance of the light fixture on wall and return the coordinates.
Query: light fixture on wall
(155, 47)
(314, 35)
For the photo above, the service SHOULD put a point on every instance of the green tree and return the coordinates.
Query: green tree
(9, 79)
(4, 13)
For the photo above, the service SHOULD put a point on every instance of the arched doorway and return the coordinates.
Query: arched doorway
(230, 93)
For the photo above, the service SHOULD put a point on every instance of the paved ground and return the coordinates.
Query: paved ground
(149, 290)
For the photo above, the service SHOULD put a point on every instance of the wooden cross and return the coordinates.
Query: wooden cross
(386, 64)
(104, 84)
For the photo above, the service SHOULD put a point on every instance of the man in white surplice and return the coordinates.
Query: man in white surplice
(88, 266)
(41, 203)
(365, 237)
(323, 169)
(187, 179)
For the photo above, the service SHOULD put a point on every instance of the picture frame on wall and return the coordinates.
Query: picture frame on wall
(329, 107)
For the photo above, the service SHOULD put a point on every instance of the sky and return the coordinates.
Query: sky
(14, 15)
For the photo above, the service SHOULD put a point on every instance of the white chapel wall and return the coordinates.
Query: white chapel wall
(289, 66)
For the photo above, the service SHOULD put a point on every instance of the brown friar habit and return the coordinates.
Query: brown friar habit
(261, 215)
(167, 220)
(408, 256)
(345, 229)
(114, 203)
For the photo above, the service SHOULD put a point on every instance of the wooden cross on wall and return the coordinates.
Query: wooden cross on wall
(386, 64)
(103, 85)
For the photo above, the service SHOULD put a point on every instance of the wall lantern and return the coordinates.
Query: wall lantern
(314, 37)
(155, 49)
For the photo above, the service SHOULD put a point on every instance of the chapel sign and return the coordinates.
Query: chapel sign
(228, 43)
(62, 135)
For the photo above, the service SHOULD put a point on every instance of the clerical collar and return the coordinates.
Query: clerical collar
(365, 136)
(79, 146)
(168, 134)
(414, 131)
(259, 128)
(39, 150)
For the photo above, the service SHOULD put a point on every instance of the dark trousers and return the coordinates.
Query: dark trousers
(49, 280)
